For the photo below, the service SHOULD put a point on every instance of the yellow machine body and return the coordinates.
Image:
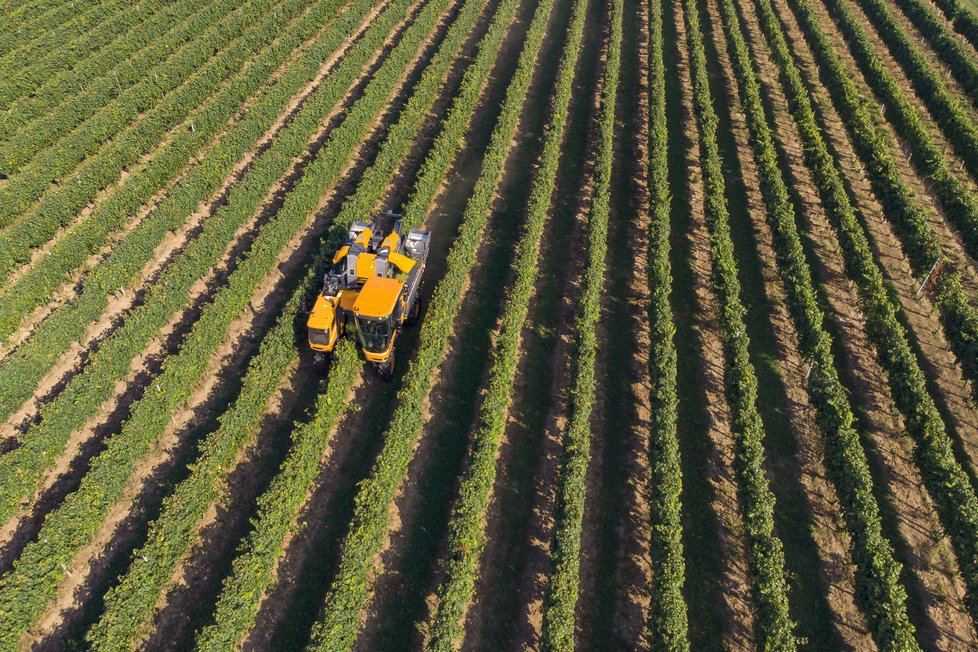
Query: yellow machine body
(374, 282)
(323, 323)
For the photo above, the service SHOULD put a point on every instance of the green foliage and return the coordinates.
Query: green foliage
(22, 469)
(87, 121)
(964, 20)
(948, 112)
(350, 592)
(668, 621)
(34, 286)
(53, 82)
(107, 44)
(21, 371)
(160, 102)
(34, 579)
(562, 592)
(46, 34)
(944, 42)
(943, 476)
(909, 220)
(24, 20)
(878, 587)
(466, 537)
(773, 627)
(252, 570)
(959, 205)
(129, 605)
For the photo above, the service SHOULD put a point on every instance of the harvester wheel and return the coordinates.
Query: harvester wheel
(321, 361)
(386, 370)
(415, 313)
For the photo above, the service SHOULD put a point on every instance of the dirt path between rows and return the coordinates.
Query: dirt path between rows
(424, 503)
(964, 42)
(85, 442)
(931, 57)
(81, 168)
(615, 574)
(737, 607)
(330, 509)
(247, 328)
(140, 165)
(940, 365)
(167, 250)
(132, 295)
(923, 188)
(948, 236)
(515, 561)
(911, 522)
(821, 511)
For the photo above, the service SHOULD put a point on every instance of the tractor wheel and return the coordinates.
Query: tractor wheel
(414, 314)
(386, 369)
(321, 362)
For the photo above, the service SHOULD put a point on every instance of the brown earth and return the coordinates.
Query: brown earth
(524, 611)
(836, 570)
(930, 561)
(619, 472)
(737, 608)
(409, 500)
(241, 330)
(930, 55)
(273, 609)
(177, 239)
(131, 296)
(938, 363)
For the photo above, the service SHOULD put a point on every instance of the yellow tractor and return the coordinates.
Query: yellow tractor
(374, 282)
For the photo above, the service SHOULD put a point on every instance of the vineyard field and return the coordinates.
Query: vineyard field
(663, 333)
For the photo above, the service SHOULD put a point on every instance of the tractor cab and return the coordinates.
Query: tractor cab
(377, 315)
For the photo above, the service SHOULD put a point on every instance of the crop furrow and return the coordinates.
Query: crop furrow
(122, 272)
(55, 33)
(942, 40)
(111, 362)
(901, 208)
(172, 534)
(42, 565)
(88, 158)
(23, 22)
(121, 58)
(60, 208)
(254, 566)
(773, 627)
(147, 108)
(466, 537)
(352, 587)
(960, 206)
(943, 475)
(25, 81)
(24, 142)
(562, 589)
(952, 116)
(963, 18)
(882, 596)
(120, 208)
(23, 18)
(279, 505)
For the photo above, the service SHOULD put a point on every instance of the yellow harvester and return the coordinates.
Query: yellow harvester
(374, 281)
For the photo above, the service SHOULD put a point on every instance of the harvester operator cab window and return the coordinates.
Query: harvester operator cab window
(318, 336)
(375, 334)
